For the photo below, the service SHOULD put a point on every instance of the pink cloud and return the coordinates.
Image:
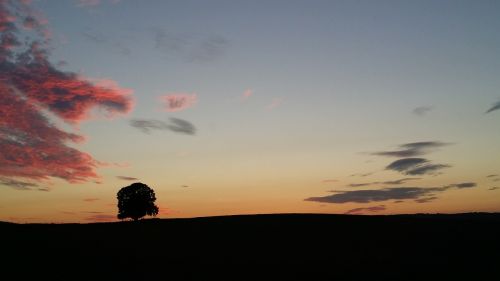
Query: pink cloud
(178, 101)
(247, 94)
(275, 103)
(31, 146)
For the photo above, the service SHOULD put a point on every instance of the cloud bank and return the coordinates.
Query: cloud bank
(31, 87)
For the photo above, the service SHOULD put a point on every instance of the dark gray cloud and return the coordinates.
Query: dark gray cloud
(463, 185)
(422, 110)
(394, 182)
(175, 125)
(412, 149)
(18, 185)
(406, 164)
(360, 184)
(422, 194)
(495, 106)
(188, 46)
(426, 199)
(181, 126)
(146, 126)
(125, 178)
(373, 209)
(492, 176)
(362, 175)
(415, 166)
(376, 195)
(400, 181)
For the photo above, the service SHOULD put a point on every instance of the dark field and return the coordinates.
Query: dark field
(258, 247)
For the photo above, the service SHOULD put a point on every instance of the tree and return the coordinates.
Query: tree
(136, 201)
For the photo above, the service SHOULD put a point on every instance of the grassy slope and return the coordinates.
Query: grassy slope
(260, 247)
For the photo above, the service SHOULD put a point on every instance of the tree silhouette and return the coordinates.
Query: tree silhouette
(136, 201)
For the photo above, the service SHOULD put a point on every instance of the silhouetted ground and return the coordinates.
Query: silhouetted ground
(258, 247)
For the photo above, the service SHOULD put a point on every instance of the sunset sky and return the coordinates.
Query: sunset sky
(245, 107)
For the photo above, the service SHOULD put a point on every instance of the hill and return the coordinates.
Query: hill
(258, 247)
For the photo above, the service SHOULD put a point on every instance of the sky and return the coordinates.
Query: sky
(248, 107)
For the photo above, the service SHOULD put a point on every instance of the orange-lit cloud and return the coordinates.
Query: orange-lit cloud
(178, 101)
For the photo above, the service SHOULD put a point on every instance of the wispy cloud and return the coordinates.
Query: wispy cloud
(146, 126)
(329, 181)
(181, 126)
(422, 110)
(494, 188)
(415, 166)
(400, 181)
(31, 146)
(275, 103)
(247, 94)
(175, 125)
(125, 178)
(189, 46)
(393, 182)
(18, 185)
(90, 199)
(174, 102)
(463, 185)
(358, 211)
(495, 106)
(412, 149)
(112, 43)
(426, 199)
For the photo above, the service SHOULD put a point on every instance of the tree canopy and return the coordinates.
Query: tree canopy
(136, 201)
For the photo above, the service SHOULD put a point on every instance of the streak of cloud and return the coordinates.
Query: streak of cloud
(176, 125)
(275, 103)
(17, 185)
(412, 149)
(495, 106)
(423, 194)
(125, 178)
(415, 166)
(422, 110)
(190, 47)
(358, 211)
